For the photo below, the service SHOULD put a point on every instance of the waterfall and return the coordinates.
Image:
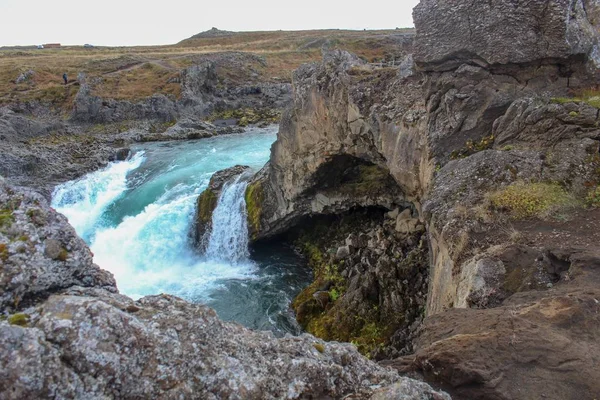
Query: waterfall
(85, 200)
(228, 238)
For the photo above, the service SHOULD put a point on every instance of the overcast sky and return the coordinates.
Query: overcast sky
(145, 22)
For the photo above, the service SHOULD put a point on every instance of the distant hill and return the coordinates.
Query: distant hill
(213, 33)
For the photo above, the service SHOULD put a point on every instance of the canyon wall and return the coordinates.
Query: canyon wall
(498, 98)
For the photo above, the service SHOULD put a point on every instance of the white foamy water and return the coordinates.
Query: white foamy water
(228, 240)
(84, 201)
(136, 216)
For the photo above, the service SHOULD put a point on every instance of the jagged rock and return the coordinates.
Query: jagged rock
(537, 344)
(342, 252)
(40, 252)
(408, 389)
(407, 67)
(393, 214)
(25, 76)
(122, 154)
(451, 33)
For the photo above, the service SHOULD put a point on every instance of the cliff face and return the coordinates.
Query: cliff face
(492, 121)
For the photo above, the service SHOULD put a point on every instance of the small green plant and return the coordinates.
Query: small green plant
(593, 198)
(334, 294)
(527, 200)
(19, 319)
(6, 217)
(472, 147)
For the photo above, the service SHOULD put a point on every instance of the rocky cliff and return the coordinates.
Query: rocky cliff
(488, 137)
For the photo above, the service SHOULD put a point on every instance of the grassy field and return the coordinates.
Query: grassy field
(133, 73)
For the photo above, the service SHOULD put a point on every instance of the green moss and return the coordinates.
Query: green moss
(526, 200)
(472, 147)
(3, 252)
(6, 217)
(207, 202)
(590, 98)
(248, 116)
(334, 294)
(254, 198)
(370, 179)
(63, 255)
(593, 198)
(19, 319)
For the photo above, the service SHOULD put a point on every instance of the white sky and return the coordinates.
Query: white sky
(146, 22)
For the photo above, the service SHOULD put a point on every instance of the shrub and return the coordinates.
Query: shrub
(527, 200)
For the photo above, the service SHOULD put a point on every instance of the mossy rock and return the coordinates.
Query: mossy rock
(3, 252)
(254, 197)
(528, 200)
(248, 116)
(207, 202)
(6, 217)
(19, 319)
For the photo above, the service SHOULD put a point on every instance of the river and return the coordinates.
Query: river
(136, 217)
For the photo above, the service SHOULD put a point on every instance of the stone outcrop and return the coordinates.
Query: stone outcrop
(370, 280)
(67, 333)
(497, 94)
(548, 336)
(204, 90)
(40, 252)
(451, 33)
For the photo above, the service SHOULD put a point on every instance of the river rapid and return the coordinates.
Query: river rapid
(136, 217)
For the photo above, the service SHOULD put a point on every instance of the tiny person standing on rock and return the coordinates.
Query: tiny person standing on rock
(65, 78)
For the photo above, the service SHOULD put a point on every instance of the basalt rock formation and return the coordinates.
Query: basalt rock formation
(487, 137)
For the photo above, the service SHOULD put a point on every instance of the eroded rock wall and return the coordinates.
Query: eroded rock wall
(497, 97)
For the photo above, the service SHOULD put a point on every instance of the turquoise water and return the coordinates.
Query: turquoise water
(136, 217)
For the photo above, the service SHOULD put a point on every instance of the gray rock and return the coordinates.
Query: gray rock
(450, 33)
(342, 252)
(122, 154)
(25, 77)
(41, 251)
(409, 389)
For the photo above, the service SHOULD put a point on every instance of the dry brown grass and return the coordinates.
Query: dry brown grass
(136, 72)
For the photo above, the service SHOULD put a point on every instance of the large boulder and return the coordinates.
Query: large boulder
(450, 33)
(40, 253)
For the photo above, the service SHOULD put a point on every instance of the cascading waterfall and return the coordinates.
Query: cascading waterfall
(228, 239)
(136, 215)
(84, 201)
